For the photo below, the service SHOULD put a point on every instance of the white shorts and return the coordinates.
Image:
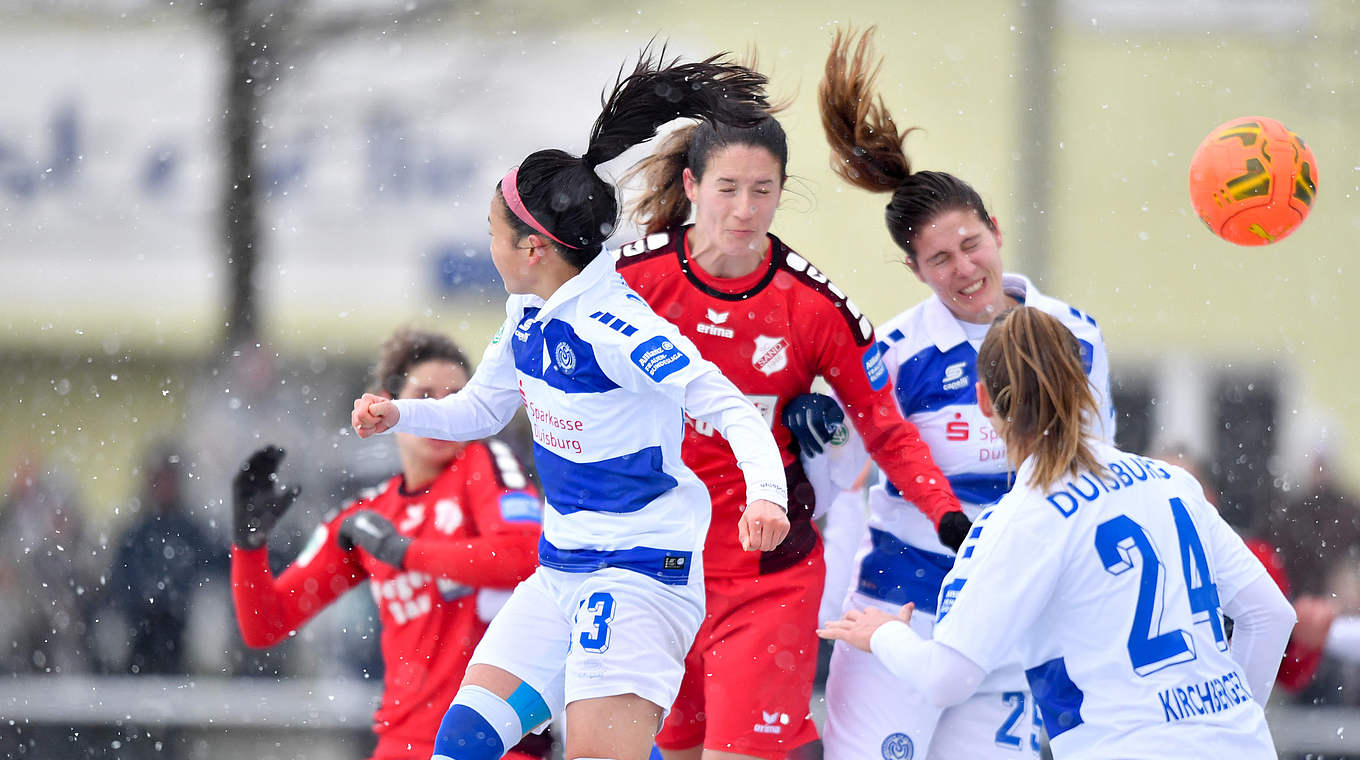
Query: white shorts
(574, 636)
(873, 714)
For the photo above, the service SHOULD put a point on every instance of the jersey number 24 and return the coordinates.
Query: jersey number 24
(1118, 540)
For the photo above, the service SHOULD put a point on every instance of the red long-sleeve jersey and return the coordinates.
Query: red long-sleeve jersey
(771, 333)
(475, 527)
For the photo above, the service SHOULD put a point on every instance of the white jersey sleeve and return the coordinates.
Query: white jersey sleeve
(483, 407)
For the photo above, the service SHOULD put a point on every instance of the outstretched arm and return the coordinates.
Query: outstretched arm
(940, 673)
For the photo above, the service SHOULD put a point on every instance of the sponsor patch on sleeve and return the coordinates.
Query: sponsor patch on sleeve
(520, 507)
(874, 369)
(659, 358)
(948, 594)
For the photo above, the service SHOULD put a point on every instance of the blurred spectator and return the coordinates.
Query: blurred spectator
(48, 574)
(1317, 527)
(163, 560)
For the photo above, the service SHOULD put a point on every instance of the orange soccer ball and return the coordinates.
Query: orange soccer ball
(1252, 181)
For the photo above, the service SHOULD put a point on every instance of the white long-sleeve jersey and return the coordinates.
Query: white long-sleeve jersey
(932, 361)
(1111, 587)
(606, 383)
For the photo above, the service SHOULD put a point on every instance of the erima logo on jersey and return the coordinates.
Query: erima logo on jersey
(771, 354)
(955, 376)
(658, 358)
(874, 369)
(774, 722)
(715, 318)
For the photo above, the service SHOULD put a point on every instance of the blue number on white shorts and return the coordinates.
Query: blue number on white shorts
(1005, 736)
(601, 604)
(1036, 728)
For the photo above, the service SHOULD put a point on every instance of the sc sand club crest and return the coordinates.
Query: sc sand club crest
(772, 354)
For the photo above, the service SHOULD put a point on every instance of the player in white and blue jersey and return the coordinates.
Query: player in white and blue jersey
(1107, 573)
(952, 244)
(601, 629)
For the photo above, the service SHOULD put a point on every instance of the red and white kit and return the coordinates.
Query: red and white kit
(474, 529)
(771, 333)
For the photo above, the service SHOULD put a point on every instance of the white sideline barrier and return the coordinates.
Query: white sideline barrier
(322, 704)
(174, 701)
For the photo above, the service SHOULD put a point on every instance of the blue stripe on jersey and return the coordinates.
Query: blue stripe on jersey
(931, 380)
(1058, 698)
(669, 566)
(897, 572)
(1088, 355)
(623, 484)
(571, 364)
(973, 487)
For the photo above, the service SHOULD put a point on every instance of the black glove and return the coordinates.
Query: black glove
(257, 499)
(954, 527)
(376, 535)
(813, 419)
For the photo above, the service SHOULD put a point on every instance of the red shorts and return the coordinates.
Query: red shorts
(748, 678)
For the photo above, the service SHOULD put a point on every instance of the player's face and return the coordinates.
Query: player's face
(959, 257)
(435, 378)
(506, 253)
(735, 201)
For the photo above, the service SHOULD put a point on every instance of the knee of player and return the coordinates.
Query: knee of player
(480, 725)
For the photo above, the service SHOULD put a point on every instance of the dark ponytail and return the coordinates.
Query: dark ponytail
(579, 208)
(869, 152)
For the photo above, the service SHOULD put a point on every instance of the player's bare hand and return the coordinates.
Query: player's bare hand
(857, 627)
(1315, 620)
(762, 526)
(373, 414)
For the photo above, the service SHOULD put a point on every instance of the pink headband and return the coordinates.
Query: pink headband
(510, 191)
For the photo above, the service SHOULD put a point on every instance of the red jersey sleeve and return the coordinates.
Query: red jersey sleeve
(269, 608)
(507, 517)
(853, 365)
(1300, 662)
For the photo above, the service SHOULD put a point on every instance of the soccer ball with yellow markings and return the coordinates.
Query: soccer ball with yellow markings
(1253, 181)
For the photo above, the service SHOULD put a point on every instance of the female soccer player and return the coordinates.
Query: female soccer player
(952, 244)
(460, 518)
(772, 322)
(1108, 573)
(604, 624)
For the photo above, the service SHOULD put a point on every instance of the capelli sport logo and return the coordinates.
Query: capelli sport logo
(956, 376)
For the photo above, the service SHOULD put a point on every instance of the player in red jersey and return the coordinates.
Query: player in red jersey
(772, 322)
(460, 519)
